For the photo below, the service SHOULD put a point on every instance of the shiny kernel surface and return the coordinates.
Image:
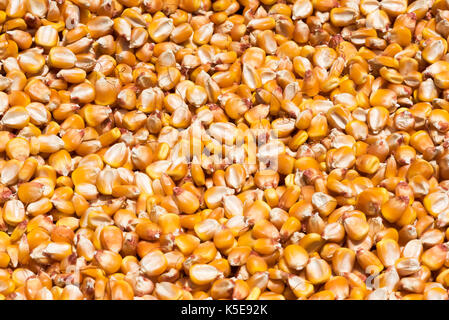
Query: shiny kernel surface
(128, 167)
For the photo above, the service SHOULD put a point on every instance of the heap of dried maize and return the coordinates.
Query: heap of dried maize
(229, 149)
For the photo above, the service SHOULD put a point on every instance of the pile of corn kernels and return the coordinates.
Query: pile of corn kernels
(228, 149)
